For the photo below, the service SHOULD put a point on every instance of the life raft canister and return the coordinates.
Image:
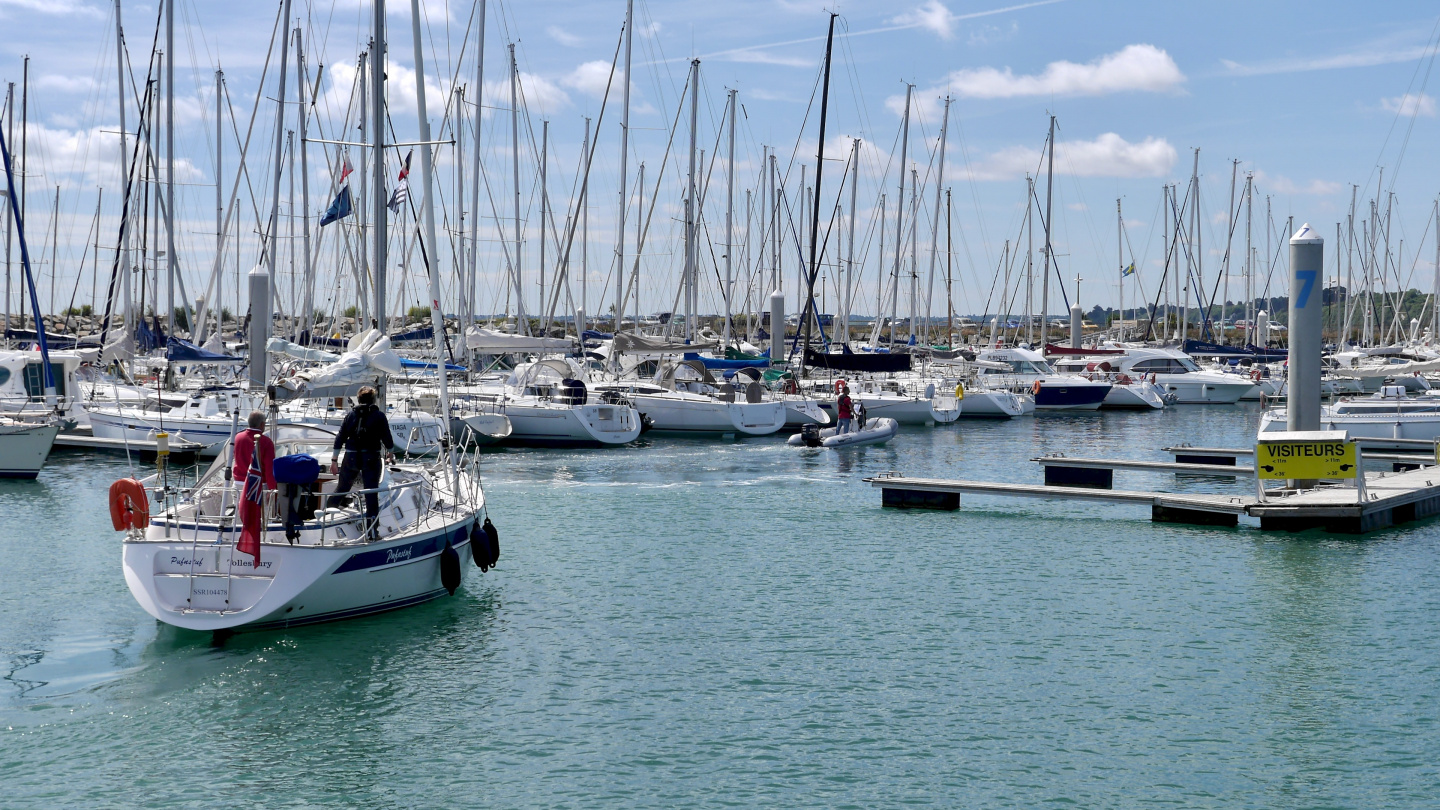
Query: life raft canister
(129, 505)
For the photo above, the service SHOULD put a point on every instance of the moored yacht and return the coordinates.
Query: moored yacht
(183, 568)
(1028, 371)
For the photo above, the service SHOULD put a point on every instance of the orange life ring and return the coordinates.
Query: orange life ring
(1256, 375)
(129, 505)
(1035, 389)
(840, 385)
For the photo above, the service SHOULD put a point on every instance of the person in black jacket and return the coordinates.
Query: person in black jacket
(364, 435)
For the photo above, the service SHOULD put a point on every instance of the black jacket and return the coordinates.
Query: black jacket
(371, 434)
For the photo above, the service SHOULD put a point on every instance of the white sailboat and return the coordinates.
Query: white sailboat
(183, 569)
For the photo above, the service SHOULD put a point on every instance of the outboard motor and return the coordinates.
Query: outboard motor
(810, 434)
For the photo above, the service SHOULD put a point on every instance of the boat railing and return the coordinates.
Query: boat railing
(224, 521)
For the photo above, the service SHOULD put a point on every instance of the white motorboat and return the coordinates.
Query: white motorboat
(1126, 392)
(1026, 370)
(548, 404)
(876, 431)
(24, 446)
(685, 398)
(1176, 373)
(183, 567)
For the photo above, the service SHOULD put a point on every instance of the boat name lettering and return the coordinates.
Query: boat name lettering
(245, 562)
(397, 554)
(211, 592)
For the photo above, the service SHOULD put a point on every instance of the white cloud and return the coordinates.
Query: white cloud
(932, 16)
(1370, 55)
(1078, 207)
(591, 78)
(65, 84)
(1409, 105)
(54, 7)
(1107, 156)
(562, 36)
(1133, 68)
(540, 94)
(1284, 185)
(763, 58)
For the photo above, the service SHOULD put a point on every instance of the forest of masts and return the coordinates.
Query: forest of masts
(639, 222)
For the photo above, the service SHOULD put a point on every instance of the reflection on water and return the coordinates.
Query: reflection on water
(685, 620)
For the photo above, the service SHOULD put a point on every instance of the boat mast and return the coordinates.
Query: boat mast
(806, 313)
(850, 242)
(170, 156)
(1030, 260)
(580, 323)
(1049, 255)
(475, 181)
(217, 304)
(429, 251)
(900, 211)
(520, 316)
(935, 218)
(124, 183)
(9, 220)
(544, 197)
(689, 280)
(950, 280)
(1435, 285)
(624, 196)
(1120, 254)
(1229, 239)
(730, 222)
(377, 146)
(307, 320)
(260, 310)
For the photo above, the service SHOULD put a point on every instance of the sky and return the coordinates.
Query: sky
(1309, 101)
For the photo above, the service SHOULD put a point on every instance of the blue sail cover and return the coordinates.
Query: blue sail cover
(406, 362)
(1266, 353)
(426, 333)
(718, 363)
(183, 351)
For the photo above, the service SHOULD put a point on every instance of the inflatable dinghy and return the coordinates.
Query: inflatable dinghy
(877, 431)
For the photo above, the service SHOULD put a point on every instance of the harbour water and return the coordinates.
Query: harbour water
(684, 623)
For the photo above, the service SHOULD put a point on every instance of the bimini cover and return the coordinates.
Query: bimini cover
(490, 341)
(684, 371)
(626, 342)
(178, 350)
(368, 359)
(551, 371)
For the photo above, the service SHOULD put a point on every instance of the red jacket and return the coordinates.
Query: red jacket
(843, 406)
(245, 442)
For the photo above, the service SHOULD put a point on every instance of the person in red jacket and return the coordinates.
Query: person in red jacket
(255, 469)
(844, 411)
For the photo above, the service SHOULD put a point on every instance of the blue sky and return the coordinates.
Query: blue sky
(1309, 98)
